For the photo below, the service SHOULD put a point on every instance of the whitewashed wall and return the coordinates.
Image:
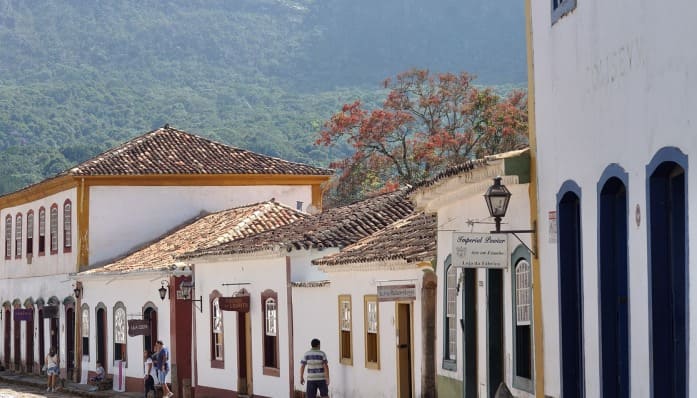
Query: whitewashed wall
(614, 83)
(122, 218)
(316, 316)
(134, 293)
(453, 216)
(257, 274)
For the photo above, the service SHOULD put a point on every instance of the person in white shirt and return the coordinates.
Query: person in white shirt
(149, 373)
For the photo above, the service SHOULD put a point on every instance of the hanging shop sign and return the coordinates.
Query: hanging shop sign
(50, 311)
(138, 327)
(474, 250)
(23, 314)
(397, 292)
(238, 303)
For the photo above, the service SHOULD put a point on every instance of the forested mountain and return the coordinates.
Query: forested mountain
(78, 76)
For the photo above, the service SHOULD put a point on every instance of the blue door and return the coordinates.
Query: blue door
(570, 295)
(668, 275)
(614, 294)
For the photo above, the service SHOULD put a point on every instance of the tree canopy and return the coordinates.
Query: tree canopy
(427, 123)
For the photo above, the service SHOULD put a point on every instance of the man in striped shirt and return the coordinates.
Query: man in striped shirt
(317, 371)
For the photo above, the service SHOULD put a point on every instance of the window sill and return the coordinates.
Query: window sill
(372, 365)
(217, 364)
(346, 361)
(271, 372)
(67, 249)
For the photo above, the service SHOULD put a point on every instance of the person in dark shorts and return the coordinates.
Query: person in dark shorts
(317, 371)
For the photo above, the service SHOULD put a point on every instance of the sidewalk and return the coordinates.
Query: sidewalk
(83, 390)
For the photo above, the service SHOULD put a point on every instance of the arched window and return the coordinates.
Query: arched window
(8, 237)
(30, 233)
(522, 320)
(269, 302)
(67, 226)
(569, 250)
(217, 353)
(669, 316)
(85, 322)
(54, 228)
(18, 235)
(42, 231)
(450, 319)
(119, 332)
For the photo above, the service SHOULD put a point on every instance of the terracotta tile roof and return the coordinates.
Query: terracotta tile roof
(450, 172)
(206, 231)
(336, 227)
(412, 239)
(171, 151)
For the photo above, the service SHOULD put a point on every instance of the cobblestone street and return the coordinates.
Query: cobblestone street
(19, 391)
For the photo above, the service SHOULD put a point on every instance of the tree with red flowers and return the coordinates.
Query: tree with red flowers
(426, 124)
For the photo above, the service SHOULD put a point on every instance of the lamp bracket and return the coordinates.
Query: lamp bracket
(199, 301)
(515, 233)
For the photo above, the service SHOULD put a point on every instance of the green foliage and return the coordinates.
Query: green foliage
(80, 76)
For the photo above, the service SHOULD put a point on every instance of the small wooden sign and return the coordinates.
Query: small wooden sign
(50, 311)
(23, 314)
(239, 303)
(396, 292)
(138, 327)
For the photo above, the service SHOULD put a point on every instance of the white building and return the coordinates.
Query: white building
(244, 337)
(102, 209)
(485, 316)
(382, 290)
(614, 104)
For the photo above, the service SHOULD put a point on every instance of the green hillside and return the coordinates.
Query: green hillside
(79, 76)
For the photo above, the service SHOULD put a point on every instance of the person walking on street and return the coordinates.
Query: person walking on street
(317, 371)
(52, 369)
(162, 366)
(148, 371)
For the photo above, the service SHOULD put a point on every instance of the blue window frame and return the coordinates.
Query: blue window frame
(570, 290)
(668, 272)
(613, 284)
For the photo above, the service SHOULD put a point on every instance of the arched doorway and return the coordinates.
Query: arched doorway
(668, 272)
(17, 334)
(150, 316)
(29, 338)
(70, 339)
(101, 334)
(8, 332)
(41, 334)
(570, 293)
(613, 286)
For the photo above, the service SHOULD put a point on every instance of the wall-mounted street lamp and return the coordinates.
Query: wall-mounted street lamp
(497, 198)
(163, 290)
(77, 290)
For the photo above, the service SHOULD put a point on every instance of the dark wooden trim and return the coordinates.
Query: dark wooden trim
(289, 309)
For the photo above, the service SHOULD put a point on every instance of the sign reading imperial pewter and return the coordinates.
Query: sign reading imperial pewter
(396, 292)
(472, 250)
(23, 314)
(138, 327)
(238, 303)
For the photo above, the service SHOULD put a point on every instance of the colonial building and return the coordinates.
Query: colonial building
(382, 290)
(103, 208)
(245, 336)
(485, 329)
(614, 104)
